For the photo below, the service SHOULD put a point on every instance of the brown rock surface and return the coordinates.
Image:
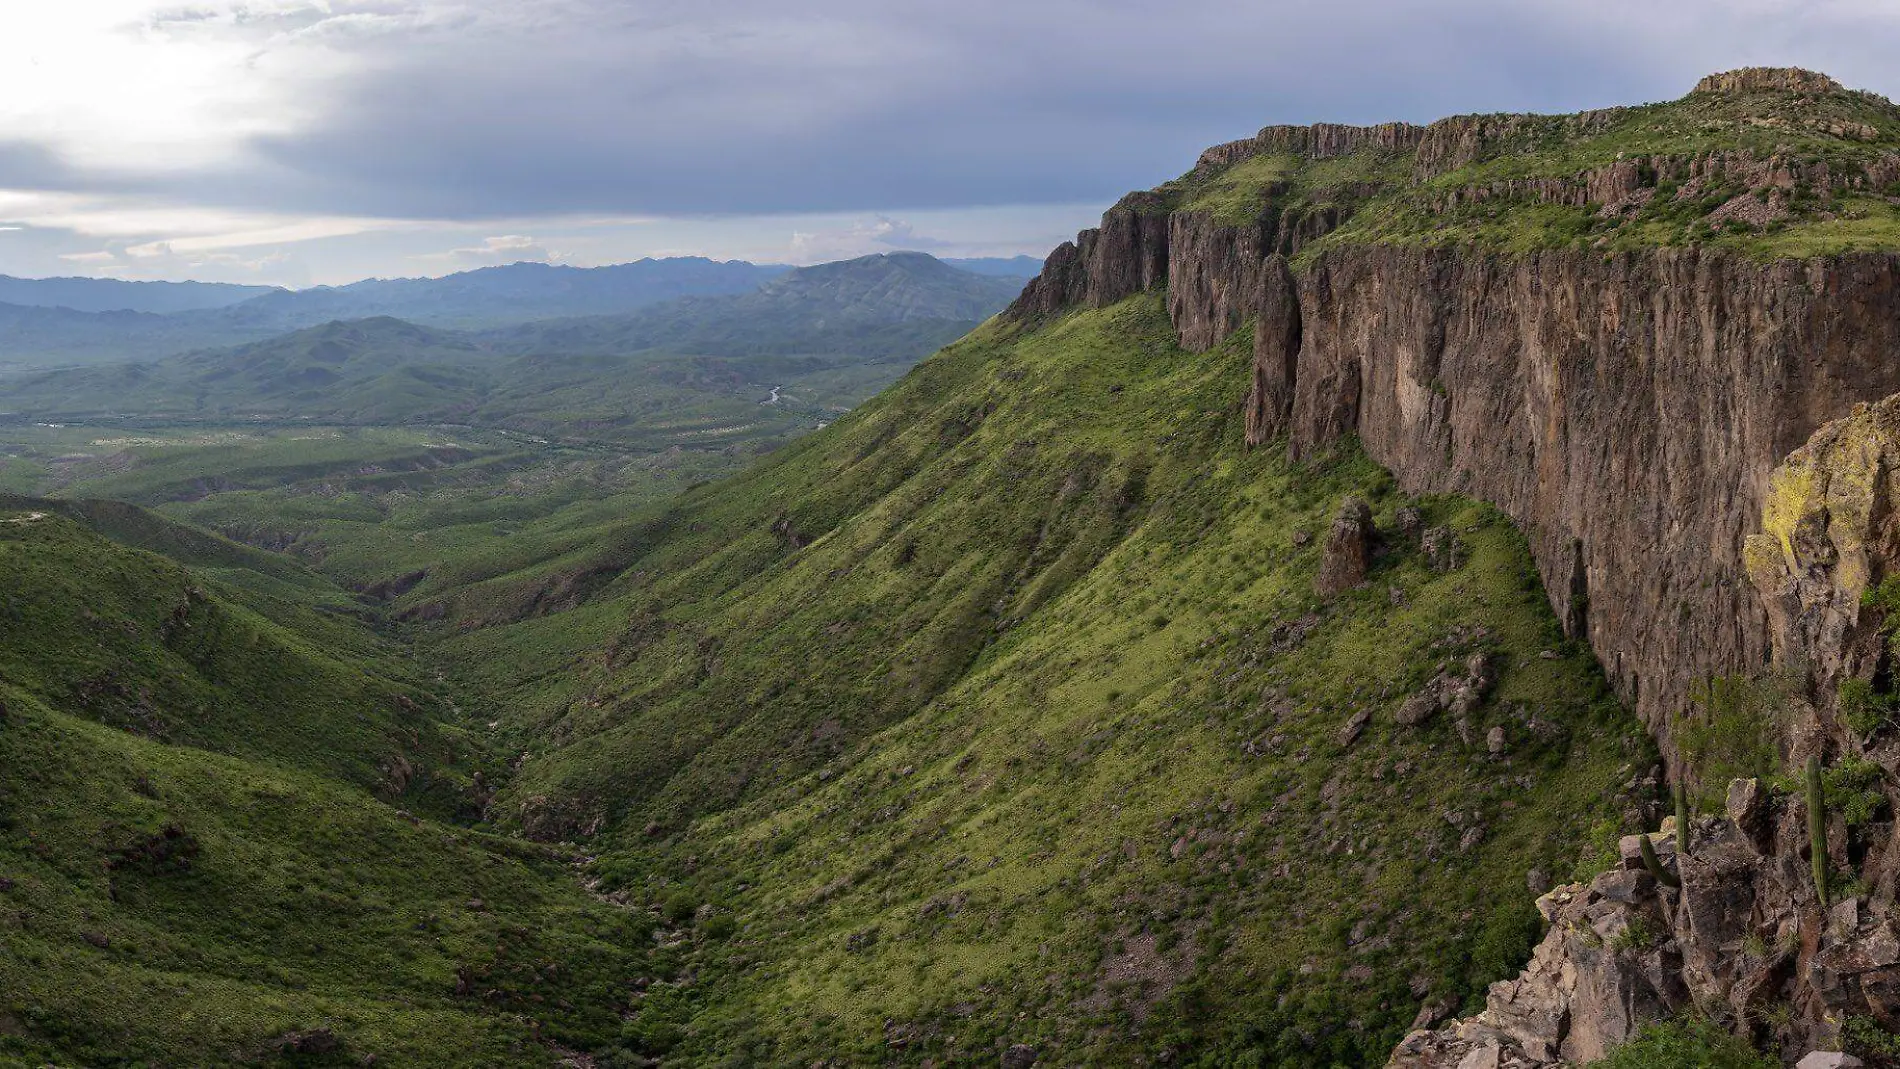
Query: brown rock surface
(1625, 411)
(1743, 933)
(1347, 555)
(1777, 79)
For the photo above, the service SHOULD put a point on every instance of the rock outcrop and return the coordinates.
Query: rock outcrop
(1625, 411)
(1346, 557)
(1126, 255)
(1744, 940)
(1758, 79)
(1830, 535)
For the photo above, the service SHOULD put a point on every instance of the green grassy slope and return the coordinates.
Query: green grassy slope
(194, 863)
(1004, 711)
(135, 641)
(164, 906)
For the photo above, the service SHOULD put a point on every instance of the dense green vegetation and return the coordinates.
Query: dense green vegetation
(195, 867)
(1687, 1044)
(1000, 709)
(835, 333)
(1003, 712)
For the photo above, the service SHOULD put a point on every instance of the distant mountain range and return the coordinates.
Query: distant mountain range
(887, 310)
(902, 301)
(116, 295)
(74, 321)
(493, 296)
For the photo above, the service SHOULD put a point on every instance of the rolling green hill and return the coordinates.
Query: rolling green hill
(202, 858)
(830, 335)
(1002, 711)
(873, 306)
(901, 301)
(72, 322)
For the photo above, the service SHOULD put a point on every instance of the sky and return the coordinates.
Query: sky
(301, 142)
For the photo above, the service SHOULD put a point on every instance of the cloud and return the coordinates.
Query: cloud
(505, 249)
(842, 105)
(160, 260)
(878, 234)
(220, 126)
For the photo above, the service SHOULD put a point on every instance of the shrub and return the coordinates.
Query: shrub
(679, 906)
(1735, 732)
(1690, 1043)
(1600, 852)
(1853, 787)
(1867, 1039)
(1863, 708)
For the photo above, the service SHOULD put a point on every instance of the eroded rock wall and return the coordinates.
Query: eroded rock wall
(1625, 410)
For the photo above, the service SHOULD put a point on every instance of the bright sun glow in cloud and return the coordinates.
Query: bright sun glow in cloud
(134, 85)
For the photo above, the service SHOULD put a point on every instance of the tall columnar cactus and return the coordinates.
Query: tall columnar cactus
(1654, 864)
(1682, 819)
(1817, 829)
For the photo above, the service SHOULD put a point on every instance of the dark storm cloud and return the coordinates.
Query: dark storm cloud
(749, 106)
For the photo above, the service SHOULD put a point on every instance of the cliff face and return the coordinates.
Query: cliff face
(1624, 409)
(1611, 349)
(1625, 412)
(1124, 256)
(1747, 928)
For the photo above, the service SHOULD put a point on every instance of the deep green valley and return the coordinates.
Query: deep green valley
(1247, 643)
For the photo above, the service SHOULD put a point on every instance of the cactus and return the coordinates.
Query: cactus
(1817, 829)
(1654, 864)
(1682, 819)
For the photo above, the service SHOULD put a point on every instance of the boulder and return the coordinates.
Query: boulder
(1747, 808)
(1354, 726)
(1347, 556)
(1408, 521)
(1441, 549)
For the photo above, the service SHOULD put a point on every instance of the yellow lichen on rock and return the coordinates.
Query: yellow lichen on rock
(1790, 490)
